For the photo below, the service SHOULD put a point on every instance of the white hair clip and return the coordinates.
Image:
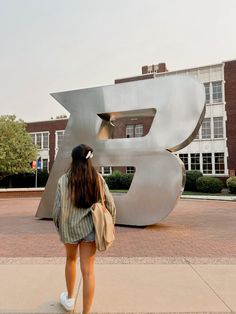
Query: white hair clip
(89, 155)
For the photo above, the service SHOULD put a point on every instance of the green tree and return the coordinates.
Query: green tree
(16, 148)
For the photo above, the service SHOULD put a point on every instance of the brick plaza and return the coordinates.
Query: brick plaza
(195, 228)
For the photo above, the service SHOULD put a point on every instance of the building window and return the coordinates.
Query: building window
(217, 91)
(106, 171)
(206, 128)
(45, 140)
(129, 132)
(218, 127)
(59, 138)
(138, 130)
(195, 161)
(130, 169)
(207, 162)
(219, 163)
(207, 92)
(134, 130)
(184, 158)
(40, 139)
(45, 164)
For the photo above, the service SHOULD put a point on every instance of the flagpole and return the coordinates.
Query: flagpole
(36, 173)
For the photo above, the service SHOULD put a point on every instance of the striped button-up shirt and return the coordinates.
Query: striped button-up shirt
(74, 223)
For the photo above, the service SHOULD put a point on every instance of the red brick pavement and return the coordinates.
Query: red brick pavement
(195, 228)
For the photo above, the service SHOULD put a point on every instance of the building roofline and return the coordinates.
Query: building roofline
(138, 75)
(233, 60)
(194, 68)
(50, 120)
(175, 71)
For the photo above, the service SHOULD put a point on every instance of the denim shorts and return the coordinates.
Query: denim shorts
(88, 238)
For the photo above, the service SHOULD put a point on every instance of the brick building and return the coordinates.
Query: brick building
(213, 151)
(47, 135)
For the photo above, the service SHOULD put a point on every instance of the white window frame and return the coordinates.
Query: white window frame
(216, 127)
(203, 124)
(131, 128)
(128, 171)
(134, 130)
(199, 156)
(211, 170)
(187, 158)
(218, 100)
(220, 173)
(41, 135)
(138, 130)
(56, 138)
(103, 171)
(209, 86)
(43, 140)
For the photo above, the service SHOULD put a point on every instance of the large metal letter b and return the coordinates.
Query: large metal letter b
(178, 103)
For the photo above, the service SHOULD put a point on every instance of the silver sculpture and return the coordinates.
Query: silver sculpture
(178, 105)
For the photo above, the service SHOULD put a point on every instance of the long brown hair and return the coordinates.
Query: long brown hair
(83, 178)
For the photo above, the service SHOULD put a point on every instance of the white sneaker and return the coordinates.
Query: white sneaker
(68, 304)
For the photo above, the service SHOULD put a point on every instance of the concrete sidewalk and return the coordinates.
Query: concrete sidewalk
(33, 285)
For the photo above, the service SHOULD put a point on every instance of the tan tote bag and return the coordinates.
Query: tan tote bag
(103, 223)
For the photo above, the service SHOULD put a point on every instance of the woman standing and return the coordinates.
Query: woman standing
(77, 191)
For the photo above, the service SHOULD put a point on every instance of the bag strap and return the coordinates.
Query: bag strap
(77, 294)
(101, 193)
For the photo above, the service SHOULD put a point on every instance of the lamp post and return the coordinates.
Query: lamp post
(36, 174)
(38, 166)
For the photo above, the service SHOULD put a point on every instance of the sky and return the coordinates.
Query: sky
(50, 46)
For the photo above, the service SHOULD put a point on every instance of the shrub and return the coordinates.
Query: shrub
(119, 181)
(42, 178)
(191, 177)
(4, 183)
(126, 179)
(24, 180)
(231, 184)
(113, 181)
(209, 185)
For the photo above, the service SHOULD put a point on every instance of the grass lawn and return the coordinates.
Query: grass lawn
(119, 191)
(224, 193)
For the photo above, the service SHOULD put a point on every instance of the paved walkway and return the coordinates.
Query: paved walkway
(29, 286)
(185, 264)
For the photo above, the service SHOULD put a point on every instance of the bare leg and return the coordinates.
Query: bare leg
(87, 255)
(70, 269)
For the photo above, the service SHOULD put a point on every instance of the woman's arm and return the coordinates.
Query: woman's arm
(109, 201)
(57, 207)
